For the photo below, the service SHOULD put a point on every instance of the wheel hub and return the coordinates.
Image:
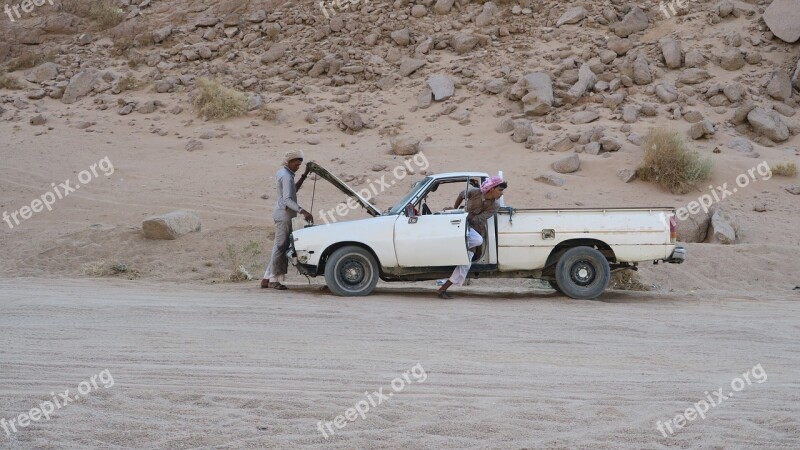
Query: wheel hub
(352, 271)
(582, 273)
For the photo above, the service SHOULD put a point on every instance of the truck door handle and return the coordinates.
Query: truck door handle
(455, 222)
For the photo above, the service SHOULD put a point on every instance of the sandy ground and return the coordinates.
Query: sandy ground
(238, 367)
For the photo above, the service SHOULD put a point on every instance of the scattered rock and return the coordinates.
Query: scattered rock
(731, 59)
(274, 53)
(666, 93)
(724, 227)
(522, 131)
(505, 125)
(626, 175)
(582, 117)
(783, 19)
(671, 50)
(38, 120)
(462, 42)
(693, 225)
(693, 76)
(441, 86)
(486, 15)
(702, 129)
(443, 6)
(535, 90)
(162, 34)
(552, 180)
(768, 124)
(44, 72)
(410, 65)
(567, 165)
(352, 122)
(793, 189)
(572, 15)
(171, 226)
(402, 37)
(405, 145)
(80, 85)
(780, 85)
(633, 22)
(741, 145)
(194, 145)
(586, 79)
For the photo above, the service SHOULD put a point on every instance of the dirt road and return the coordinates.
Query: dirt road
(232, 366)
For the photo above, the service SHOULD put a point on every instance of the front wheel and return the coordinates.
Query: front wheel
(351, 272)
(583, 273)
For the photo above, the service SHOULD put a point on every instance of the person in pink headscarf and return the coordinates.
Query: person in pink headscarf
(481, 205)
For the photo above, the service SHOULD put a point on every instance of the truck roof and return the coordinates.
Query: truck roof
(459, 174)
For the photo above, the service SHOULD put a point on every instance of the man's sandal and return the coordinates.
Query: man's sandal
(278, 286)
(444, 295)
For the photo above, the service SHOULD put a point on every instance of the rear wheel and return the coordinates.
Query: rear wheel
(582, 273)
(351, 272)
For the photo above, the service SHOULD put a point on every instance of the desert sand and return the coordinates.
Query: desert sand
(235, 367)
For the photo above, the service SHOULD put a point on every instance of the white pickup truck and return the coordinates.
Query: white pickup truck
(423, 237)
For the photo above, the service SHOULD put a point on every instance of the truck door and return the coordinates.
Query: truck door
(431, 240)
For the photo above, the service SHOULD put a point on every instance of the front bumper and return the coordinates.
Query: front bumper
(678, 255)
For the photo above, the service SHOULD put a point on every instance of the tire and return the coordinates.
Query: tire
(554, 285)
(351, 272)
(582, 273)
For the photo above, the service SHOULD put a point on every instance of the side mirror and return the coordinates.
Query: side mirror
(410, 211)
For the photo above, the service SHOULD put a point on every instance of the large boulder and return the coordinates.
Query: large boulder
(171, 225)
(693, 224)
(724, 227)
(783, 19)
(768, 124)
(567, 165)
(535, 90)
(80, 85)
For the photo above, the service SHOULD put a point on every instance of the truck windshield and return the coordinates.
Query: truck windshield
(400, 206)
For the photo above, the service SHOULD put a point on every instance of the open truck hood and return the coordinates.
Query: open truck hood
(339, 184)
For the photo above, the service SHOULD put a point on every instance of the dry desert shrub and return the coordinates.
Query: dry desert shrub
(627, 280)
(669, 162)
(9, 82)
(785, 169)
(242, 261)
(215, 101)
(106, 14)
(102, 269)
(30, 60)
(129, 83)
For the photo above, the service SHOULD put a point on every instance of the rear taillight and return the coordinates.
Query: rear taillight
(673, 229)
